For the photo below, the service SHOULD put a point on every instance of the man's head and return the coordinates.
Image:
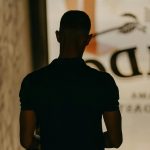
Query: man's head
(73, 34)
(75, 20)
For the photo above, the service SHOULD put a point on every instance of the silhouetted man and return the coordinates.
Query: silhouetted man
(67, 99)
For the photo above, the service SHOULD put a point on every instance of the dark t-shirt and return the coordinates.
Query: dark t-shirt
(69, 99)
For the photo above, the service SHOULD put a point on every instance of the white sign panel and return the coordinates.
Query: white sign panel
(121, 47)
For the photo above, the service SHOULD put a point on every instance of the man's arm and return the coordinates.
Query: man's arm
(113, 136)
(27, 128)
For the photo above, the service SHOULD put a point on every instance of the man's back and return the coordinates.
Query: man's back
(66, 99)
(69, 99)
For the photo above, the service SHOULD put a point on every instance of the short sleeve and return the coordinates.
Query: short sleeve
(26, 102)
(112, 94)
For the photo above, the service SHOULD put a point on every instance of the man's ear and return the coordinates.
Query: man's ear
(57, 36)
(89, 38)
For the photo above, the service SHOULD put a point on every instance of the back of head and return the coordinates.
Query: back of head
(75, 20)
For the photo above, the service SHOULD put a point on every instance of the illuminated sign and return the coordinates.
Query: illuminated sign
(120, 46)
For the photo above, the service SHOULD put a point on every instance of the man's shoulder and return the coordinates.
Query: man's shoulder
(36, 75)
(99, 73)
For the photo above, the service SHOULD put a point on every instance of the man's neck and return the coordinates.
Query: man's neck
(69, 55)
(66, 57)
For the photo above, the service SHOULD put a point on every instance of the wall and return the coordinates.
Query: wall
(15, 63)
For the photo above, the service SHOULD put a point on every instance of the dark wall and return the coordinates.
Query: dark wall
(39, 33)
